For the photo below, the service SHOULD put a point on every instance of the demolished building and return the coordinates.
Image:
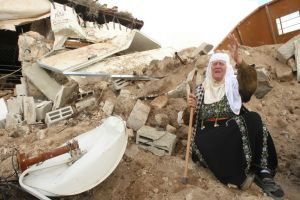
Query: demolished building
(67, 85)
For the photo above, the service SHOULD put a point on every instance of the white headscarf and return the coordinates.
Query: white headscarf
(214, 91)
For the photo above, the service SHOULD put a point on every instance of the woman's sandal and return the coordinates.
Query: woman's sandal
(269, 186)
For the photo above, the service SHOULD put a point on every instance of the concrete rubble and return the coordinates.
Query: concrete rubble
(47, 101)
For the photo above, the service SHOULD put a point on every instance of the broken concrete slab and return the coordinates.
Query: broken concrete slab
(40, 78)
(138, 116)
(3, 112)
(203, 49)
(128, 42)
(42, 108)
(21, 90)
(263, 86)
(287, 50)
(14, 106)
(85, 103)
(297, 57)
(108, 107)
(57, 115)
(29, 110)
(159, 102)
(158, 142)
(66, 93)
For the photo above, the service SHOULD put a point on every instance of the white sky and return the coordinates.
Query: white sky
(187, 23)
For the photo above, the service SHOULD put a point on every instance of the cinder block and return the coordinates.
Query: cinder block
(87, 102)
(42, 108)
(138, 116)
(29, 110)
(158, 142)
(83, 95)
(21, 90)
(119, 84)
(58, 115)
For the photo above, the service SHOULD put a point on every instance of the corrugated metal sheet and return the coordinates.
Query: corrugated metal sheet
(260, 28)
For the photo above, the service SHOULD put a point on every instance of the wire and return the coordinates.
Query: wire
(2, 77)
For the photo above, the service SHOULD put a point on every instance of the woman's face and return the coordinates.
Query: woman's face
(218, 69)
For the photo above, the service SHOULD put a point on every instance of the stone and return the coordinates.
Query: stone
(41, 79)
(108, 107)
(263, 86)
(284, 73)
(41, 109)
(162, 120)
(287, 50)
(171, 129)
(159, 102)
(138, 116)
(85, 103)
(297, 57)
(158, 142)
(29, 110)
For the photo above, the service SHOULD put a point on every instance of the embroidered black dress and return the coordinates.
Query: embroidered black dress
(234, 147)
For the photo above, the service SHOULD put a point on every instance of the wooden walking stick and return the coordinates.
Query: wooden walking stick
(184, 179)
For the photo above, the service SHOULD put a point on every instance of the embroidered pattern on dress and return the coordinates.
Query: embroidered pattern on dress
(218, 109)
(199, 91)
(245, 140)
(264, 154)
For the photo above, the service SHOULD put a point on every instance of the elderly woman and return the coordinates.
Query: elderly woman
(231, 141)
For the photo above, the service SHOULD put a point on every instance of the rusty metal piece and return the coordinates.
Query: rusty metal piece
(180, 59)
(25, 162)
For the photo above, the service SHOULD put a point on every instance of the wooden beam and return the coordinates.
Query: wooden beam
(270, 24)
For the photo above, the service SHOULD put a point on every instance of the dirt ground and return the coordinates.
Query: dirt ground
(142, 175)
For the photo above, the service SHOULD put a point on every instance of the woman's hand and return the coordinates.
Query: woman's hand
(234, 49)
(192, 101)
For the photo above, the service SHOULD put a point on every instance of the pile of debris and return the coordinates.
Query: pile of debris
(74, 80)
